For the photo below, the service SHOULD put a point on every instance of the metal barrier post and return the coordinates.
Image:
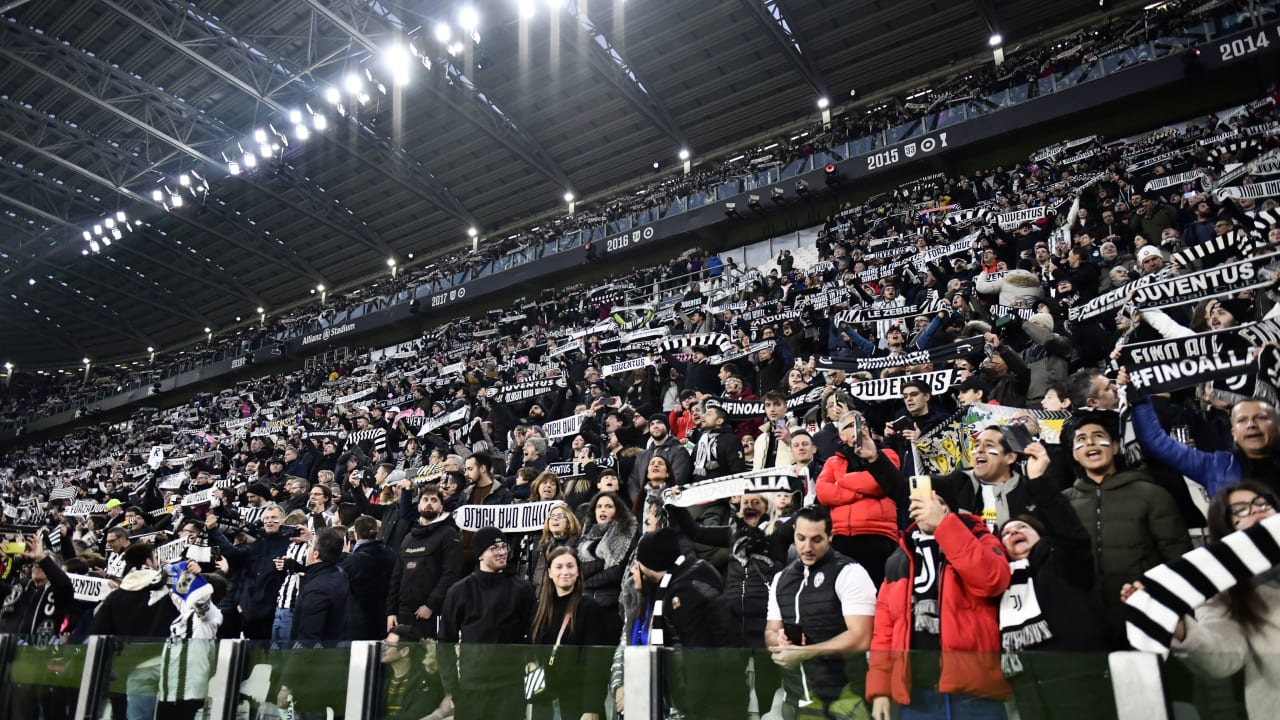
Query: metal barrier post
(641, 690)
(1138, 682)
(93, 680)
(361, 676)
(224, 684)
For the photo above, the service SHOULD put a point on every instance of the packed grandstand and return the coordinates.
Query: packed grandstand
(1031, 389)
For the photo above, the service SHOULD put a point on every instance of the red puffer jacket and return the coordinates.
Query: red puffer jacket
(974, 575)
(858, 504)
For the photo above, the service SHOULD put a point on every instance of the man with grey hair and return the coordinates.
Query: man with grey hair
(256, 592)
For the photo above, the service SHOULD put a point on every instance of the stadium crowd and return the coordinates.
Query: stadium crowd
(966, 424)
(1168, 24)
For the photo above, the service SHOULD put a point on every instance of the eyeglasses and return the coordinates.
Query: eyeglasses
(1245, 509)
(558, 516)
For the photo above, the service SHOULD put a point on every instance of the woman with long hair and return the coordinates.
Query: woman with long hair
(608, 540)
(1240, 628)
(561, 529)
(567, 625)
(545, 486)
(657, 476)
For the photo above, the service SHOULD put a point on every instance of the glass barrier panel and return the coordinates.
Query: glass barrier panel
(413, 679)
(861, 146)
(707, 683)
(276, 681)
(43, 681)
(146, 677)
(795, 167)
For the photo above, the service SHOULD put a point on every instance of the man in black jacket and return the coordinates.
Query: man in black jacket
(409, 691)
(38, 605)
(139, 608)
(428, 564)
(718, 452)
(319, 621)
(699, 684)
(259, 582)
(491, 612)
(368, 568)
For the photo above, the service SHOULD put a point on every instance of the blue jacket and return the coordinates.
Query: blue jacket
(1214, 470)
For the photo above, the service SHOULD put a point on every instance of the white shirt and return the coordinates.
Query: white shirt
(853, 586)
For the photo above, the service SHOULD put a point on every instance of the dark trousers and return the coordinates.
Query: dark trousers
(489, 703)
(870, 551)
(179, 710)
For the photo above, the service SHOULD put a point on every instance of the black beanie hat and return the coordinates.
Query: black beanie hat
(485, 538)
(659, 550)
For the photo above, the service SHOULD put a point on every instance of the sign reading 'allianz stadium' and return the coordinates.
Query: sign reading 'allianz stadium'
(328, 333)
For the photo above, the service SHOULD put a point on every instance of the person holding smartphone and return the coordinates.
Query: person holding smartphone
(936, 647)
(820, 613)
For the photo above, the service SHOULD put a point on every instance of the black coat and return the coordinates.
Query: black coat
(259, 580)
(428, 564)
(320, 612)
(368, 569)
(128, 611)
(493, 611)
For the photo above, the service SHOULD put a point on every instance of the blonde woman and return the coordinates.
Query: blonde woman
(561, 529)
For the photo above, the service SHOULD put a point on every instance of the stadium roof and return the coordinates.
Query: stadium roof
(107, 105)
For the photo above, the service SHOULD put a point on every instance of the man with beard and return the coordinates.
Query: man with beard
(921, 417)
(490, 611)
(409, 691)
(812, 626)
(429, 562)
(664, 445)
(718, 452)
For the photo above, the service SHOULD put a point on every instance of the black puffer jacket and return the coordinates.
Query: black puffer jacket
(754, 559)
(429, 562)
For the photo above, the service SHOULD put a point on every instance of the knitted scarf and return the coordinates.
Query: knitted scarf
(1177, 588)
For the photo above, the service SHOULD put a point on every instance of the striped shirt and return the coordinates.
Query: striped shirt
(288, 594)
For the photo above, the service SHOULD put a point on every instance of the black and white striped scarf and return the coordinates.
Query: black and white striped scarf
(1022, 622)
(656, 637)
(1175, 589)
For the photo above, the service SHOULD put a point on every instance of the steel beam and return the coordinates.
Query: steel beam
(47, 330)
(171, 305)
(775, 25)
(476, 108)
(601, 55)
(124, 158)
(419, 180)
(294, 263)
(216, 135)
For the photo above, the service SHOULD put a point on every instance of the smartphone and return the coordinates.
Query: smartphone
(901, 423)
(793, 632)
(921, 486)
(1018, 437)
(14, 547)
